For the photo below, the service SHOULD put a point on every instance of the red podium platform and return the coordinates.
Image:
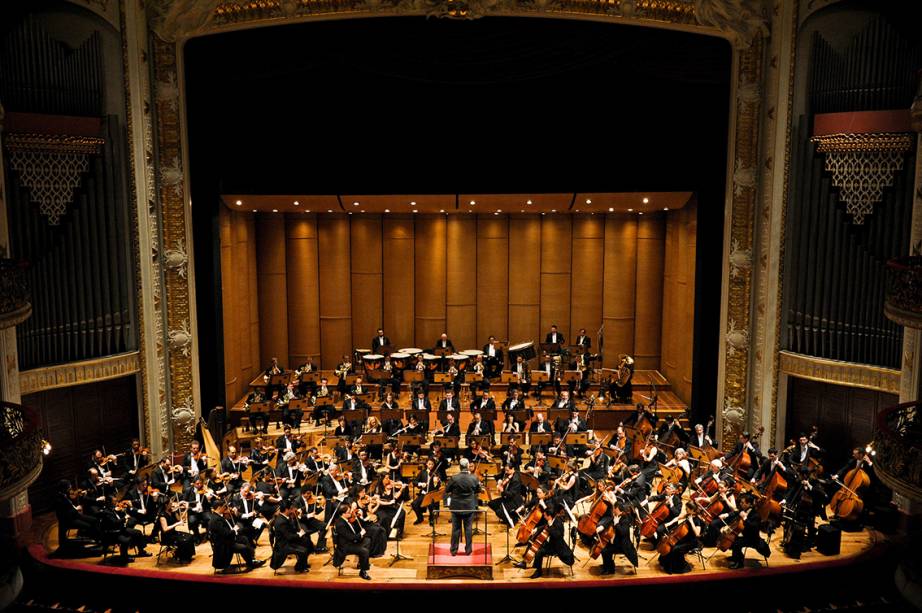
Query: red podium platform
(442, 565)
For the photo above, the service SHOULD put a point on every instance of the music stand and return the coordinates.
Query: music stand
(280, 379)
(428, 500)
(537, 439)
(391, 415)
(443, 377)
(550, 348)
(509, 523)
(508, 377)
(386, 349)
(529, 481)
(376, 438)
(443, 351)
(473, 377)
(504, 437)
(412, 376)
(558, 462)
(571, 375)
(310, 377)
(413, 440)
(396, 556)
(485, 440)
(447, 442)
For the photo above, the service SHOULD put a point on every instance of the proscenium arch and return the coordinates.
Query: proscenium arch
(743, 152)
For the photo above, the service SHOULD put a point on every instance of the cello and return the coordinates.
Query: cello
(846, 504)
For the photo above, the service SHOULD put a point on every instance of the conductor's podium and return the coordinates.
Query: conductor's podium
(443, 565)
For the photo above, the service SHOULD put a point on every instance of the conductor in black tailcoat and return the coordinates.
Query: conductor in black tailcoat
(461, 491)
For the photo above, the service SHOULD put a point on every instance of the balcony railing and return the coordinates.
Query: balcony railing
(904, 291)
(898, 442)
(15, 297)
(20, 448)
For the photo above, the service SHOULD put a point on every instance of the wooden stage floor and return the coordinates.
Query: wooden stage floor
(411, 574)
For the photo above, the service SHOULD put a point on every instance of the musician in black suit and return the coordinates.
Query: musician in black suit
(244, 503)
(311, 519)
(335, 490)
(520, 368)
(621, 518)
(480, 426)
(274, 369)
(226, 541)
(769, 466)
(444, 343)
(483, 402)
(288, 470)
(450, 427)
(287, 443)
(70, 513)
(564, 401)
(554, 545)
(199, 498)
(572, 424)
(449, 403)
(420, 403)
(554, 337)
(379, 341)
(493, 358)
(802, 452)
(135, 458)
(548, 368)
(673, 425)
(461, 492)
(427, 481)
(351, 539)
(539, 425)
(746, 445)
(290, 539)
(145, 505)
(194, 462)
(351, 403)
(750, 536)
(511, 496)
(583, 340)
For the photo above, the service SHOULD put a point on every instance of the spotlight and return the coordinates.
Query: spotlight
(46, 447)
(412, 204)
(611, 209)
(275, 210)
(473, 203)
(297, 203)
(239, 202)
(646, 200)
(588, 201)
(630, 210)
(528, 202)
(387, 210)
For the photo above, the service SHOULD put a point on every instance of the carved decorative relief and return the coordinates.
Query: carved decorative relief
(841, 373)
(78, 373)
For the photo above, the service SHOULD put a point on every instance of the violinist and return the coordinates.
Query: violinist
(362, 468)
(622, 519)
(105, 465)
(476, 453)
(164, 476)
(113, 521)
(565, 484)
(194, 462)
(144, 504)
(366, 514)
(310, 509)
(558, 446)
(98, 492)
(70, 513)
(573, 424)
(442, 459)
(268, 495)
(244, 503)
(427, 481)
(135, 458)
(226, 540)
(351, 538)
(480, 426)
(537, 468)
(199, 499)
(390, 511)
(314, 462)
(510, 498)
(335, 490)
(598, 462)
(512, 453)
(750, 536)
(637, 485)
(555, 544)
(232, 468)
(260, 454)
(322, 411)
(681, 539)
(290, 539)
(170, 521)
(288, 476)
(483, 402)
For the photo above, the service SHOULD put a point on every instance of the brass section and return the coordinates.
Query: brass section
(78, 373)
(175, 222)
(840, 373)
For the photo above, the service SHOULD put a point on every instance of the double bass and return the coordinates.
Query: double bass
(846, 504)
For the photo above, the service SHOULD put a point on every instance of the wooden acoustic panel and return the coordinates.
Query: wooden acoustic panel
(461, 273)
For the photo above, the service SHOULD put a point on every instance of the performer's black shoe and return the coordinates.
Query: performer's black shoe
(536, 574)
(520, 564)
(364, 575)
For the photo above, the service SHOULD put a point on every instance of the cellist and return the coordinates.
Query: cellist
(682, 538)
(555, 544)
(671, 499)
(769, 467)
(622, 519)
(750, 535)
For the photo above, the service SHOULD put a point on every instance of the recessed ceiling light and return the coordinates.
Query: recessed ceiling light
(576, 210)
(646, 200)
(553, 210)
(611, 209)
(640, 212)
(415, 210)
(362, 211)
(542, 213)
(412, 204)
(350, 212)
(473, 203)
(307, 211)
(275, 210)
(254, 210)
(523, 210)
(355, 204)
(499, 210)
(441, 210)
(387, 210)
(588, 201)
(665, 208)
(496, 213)
(239, 202)
(528, 202)
(329, 210)
(297, 203)
(630, 210)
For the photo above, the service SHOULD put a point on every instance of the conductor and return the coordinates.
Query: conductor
(462, 492)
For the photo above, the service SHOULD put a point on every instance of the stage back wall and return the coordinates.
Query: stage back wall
(320, 284)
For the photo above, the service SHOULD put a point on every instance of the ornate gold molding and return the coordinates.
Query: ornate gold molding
(841, 373)
(78, 373)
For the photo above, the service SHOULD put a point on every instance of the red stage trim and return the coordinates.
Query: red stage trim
(861, 122)
(40, 555)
